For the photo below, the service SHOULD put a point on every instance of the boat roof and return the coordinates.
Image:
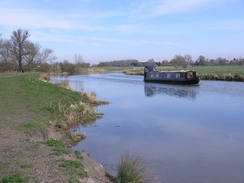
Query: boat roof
(178, 71)
(153, 69)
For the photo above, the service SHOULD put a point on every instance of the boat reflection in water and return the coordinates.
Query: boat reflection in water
(179, 91)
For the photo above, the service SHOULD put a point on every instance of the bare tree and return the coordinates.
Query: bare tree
(36, 55)
(30, 58)
(201, 60)
(46, 55)
(19, 41)
(188, 59)
(78, 59)
(179, 61)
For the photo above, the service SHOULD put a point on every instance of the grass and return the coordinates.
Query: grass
(54, 143)
(59, 147)
(230, 69)
(133, 170)
(74, 167)
(78, 155)
(14, 178)
(27, 166)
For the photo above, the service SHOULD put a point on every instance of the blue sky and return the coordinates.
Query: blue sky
(106, 30)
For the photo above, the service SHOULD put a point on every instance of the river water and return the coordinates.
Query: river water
(188, 134)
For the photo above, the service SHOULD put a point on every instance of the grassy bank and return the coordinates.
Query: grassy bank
(49, 104)
(32, 113)
(225, 73)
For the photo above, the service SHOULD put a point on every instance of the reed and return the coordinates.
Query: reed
(133, 170)
(222, 77)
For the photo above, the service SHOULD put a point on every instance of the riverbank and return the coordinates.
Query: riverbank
(222, 73)
(35, 116)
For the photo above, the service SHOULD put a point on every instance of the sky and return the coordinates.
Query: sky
(108, 30)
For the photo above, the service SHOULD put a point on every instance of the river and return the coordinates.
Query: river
(188, 134)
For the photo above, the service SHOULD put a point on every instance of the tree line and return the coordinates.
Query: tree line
(177, 61)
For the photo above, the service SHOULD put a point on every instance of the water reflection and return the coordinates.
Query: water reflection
(188, 92)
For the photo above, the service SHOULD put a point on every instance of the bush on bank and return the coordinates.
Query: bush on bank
(133, 170)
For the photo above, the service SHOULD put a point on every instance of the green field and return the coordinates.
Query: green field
(219, 70)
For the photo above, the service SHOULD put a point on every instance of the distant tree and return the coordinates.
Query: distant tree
(158, 63)
(44, 67)
(179, 61)
(78, 59)
(188, 59)
(200, 61)
(211, 62)
(102, 64)
(151, 62)
(241, 61)
(134, 64)
(19, 43)
(67, 67)
(221, 61)
(79, 62)
(165, 63)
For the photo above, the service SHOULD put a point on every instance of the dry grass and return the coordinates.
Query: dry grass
(81, 112)
(133, 170)
(64, 85)
(93, 99)
(44, 77)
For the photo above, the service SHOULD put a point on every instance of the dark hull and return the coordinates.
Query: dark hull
(174, 81)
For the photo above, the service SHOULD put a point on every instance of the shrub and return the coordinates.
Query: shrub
(133, 170)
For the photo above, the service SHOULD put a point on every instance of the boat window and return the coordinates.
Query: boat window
(157, 75)
(190, 75)
(177, 75)
(168, 75)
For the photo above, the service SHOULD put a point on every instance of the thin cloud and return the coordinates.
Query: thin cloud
(226, 28)
(164, 7)
(47, 1)
(158, 43)
(126, 28)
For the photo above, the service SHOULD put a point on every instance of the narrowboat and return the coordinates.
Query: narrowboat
(151, 74)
